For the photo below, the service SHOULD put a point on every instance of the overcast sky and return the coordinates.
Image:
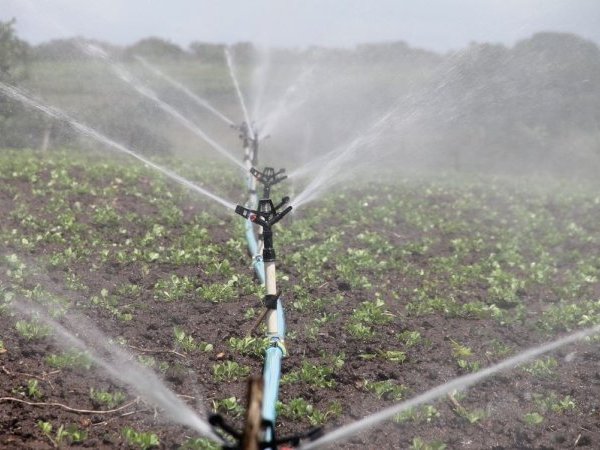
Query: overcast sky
(434, 24)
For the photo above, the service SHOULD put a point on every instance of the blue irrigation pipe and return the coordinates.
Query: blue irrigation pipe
(253, 248)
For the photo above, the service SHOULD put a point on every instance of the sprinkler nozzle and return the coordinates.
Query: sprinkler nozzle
(280, 215)
(241, 211)
(284, 201)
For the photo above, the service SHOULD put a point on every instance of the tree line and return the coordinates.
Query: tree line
(530, 105)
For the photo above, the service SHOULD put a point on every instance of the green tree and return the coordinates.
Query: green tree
(13, 62)
(208, 52)
(154, 47)
(13, 53)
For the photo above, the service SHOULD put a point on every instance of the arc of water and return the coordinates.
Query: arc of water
(331, 164)
(332, 160)
(284, 106)
(459, 383)
(127, 77)
(123, 368)
(176, 84)
(238, 92)
(85, 130)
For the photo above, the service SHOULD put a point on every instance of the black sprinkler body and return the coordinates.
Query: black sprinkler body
(266, 216)
(268, 178)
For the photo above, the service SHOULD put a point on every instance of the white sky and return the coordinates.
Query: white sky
(434, 24)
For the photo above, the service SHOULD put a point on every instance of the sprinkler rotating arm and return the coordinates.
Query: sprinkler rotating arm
(265, 219)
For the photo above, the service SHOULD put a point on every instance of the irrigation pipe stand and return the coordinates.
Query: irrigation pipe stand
(266, 216)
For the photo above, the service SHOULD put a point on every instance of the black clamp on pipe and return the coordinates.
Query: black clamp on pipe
(270, 300)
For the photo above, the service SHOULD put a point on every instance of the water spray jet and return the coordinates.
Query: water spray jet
(198, 100)
(21, 96)
(120, 365)
(238, 91)
(145, 91)
(345, 432)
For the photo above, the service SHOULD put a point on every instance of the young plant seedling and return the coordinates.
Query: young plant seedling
(107, 399)
(143, 440)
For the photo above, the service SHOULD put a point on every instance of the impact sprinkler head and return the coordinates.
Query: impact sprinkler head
(266, 216)
(268, 178)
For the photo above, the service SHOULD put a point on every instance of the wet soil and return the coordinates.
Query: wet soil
(504, 399)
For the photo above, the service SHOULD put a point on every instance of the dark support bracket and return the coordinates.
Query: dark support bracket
(236, 438)
(270, 300)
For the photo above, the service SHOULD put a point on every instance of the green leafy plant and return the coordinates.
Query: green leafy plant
(71, 433)
(249, 345)
(542, 368)
(463, 356)
(200, 444)
(216, 292)
(551, 402)
(427, 413)
(314, 375)
(107, 399)
(229, 371)
(299, 409)
(229, 406)
(33, 390)
(32, 330)
(173, 288)
(360, 330)
(533, 418)
(143, 440)
(188, 344)
(420, 444)
(73, 359)
(410, 338)
(373, 313)
(386, 389)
